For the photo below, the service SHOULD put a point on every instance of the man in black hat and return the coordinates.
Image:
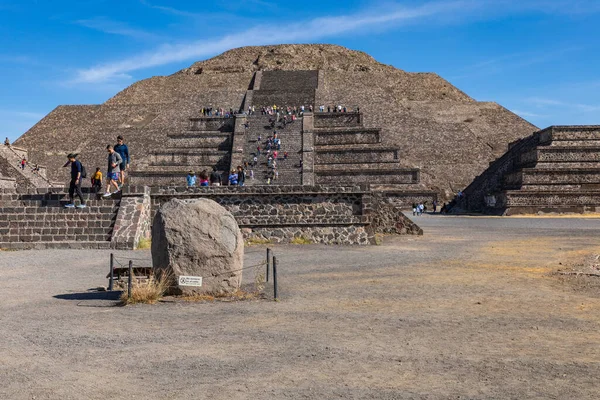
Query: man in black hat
(75, 185)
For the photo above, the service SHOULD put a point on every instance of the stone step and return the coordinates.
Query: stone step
(104, 224)
(566, 165)
(57, 210)
(200, 134)
(575, 133)
(289, 80)
(190, 159)
(354, 154)
(204, 124)
(46, 234)
(41, 245)
(368, 176)
(263, 98)
(553, 187)
(575, 143)
(154, 170)
(349, 136)
(560, 154)
(332, 120)
(534, 176)
(384, 167)
(555, 198)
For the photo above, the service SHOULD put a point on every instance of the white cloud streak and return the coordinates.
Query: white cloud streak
(263, 35)
(106, 25)
(380, 17)
(548, 103)
(528, 114)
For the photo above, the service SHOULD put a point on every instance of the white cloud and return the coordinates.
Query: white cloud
(106, 25)
(21, 115)
(547, 103)
(263, 35)
(380, 17)
(528, 114)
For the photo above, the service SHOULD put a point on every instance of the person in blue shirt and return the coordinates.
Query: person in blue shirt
(191, 179)
(233, 178)
(76, 178)
(123, 151)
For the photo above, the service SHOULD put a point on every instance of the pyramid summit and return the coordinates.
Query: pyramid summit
(412, 129)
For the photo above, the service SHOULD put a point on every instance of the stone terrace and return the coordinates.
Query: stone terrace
(206, 144)
(554, 170)
(321, 214)
(37, 219)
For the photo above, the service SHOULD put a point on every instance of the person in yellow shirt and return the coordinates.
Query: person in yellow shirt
(97, 181)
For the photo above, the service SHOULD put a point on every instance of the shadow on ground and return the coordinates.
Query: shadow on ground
(90, 295)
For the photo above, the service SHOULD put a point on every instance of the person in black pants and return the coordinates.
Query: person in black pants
(75, 185)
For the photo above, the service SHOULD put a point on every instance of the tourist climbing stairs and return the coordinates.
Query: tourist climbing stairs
(288, 170)
(28, 177)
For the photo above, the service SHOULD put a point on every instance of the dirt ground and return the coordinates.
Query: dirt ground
(471, 310)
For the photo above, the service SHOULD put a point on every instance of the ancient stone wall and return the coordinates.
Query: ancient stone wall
(7, 183)
(133, 220)
(491, 179)
(319, 214)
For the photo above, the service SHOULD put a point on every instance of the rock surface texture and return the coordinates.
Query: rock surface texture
(436, 127)
(198, 238)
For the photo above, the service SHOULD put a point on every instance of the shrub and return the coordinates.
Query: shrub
(148, 292)
(257, 241)
(144, 244)
(301, 240)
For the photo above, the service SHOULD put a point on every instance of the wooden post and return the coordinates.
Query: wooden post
(130, 281)
(275, 291)
(111, 274)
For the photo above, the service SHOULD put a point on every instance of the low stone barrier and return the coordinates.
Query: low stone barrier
(281, 214)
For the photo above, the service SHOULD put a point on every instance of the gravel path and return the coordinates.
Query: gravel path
(468, 311)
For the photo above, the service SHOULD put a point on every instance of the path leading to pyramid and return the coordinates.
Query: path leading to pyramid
(469, 310)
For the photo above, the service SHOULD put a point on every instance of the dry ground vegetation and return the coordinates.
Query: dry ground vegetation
(473, 309)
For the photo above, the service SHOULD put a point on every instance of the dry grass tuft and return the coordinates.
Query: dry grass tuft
(257, 241)
(301, 240)
(238, 295)
(148, 292)
(144, 244)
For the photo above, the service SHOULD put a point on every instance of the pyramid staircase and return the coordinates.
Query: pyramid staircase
(28, 178)
(204, 145)
(289, 171)
(554, 170)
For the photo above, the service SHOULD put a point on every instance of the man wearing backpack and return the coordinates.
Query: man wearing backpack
(77, 174)
(114, 169)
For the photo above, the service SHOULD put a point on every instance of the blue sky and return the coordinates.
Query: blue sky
(538, 58)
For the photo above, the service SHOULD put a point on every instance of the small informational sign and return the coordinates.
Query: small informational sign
(190, 281)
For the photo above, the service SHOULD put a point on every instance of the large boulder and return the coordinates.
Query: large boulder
(198, 238)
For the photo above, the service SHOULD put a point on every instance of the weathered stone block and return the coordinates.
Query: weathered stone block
(198, 238)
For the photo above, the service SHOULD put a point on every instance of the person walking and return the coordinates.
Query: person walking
(241, 175)
(233, 178)
(123, 151)
(75, 184)
(23, 163)
(215, 178)
(113, 172)
(97, 180)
